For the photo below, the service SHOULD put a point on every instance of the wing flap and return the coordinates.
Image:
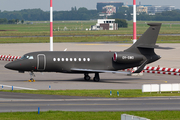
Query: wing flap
(99, 71)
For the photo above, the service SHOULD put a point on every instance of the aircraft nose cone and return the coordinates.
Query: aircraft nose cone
(10, 66)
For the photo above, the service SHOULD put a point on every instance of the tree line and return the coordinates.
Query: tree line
(39, 15)
(83, 14)
(164, 16)
(13, 21)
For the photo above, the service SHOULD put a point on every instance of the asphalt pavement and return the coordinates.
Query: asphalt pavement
(59, 81)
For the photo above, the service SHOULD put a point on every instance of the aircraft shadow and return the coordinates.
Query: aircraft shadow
(120, 81)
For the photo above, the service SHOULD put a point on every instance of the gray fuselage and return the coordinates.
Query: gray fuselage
(64, 61)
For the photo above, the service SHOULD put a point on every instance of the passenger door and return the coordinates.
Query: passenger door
(41, 62)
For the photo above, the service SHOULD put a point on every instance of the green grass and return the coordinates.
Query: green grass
(96, 93)
(120, 39)
(41, 28)
(63, 115)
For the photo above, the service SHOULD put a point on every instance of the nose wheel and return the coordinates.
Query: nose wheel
(31, 77)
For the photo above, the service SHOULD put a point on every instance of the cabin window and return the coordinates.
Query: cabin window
(60, 59)
(66, 59)
(88, 59)
(31, 57)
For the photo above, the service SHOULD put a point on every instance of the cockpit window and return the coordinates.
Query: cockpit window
(31, 57)
(26, 57)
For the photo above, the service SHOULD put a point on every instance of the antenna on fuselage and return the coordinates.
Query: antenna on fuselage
(51, 26)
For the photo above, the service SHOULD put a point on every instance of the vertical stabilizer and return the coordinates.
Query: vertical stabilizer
(147, 40)
(145, 45)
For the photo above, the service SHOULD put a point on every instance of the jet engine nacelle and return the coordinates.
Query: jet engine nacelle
(125, 57)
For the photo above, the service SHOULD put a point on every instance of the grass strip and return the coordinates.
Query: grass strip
(63, 115)
(75, 28)
(97, 93)
(119, 39)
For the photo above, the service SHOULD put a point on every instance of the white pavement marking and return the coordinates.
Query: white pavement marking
(97, 99)
(17, 87)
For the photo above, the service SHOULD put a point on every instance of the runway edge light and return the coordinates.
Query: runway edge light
(38, 110)
(117, 93)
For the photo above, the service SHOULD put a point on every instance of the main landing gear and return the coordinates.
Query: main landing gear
(31, 77)
(96, 77)
(87, 77)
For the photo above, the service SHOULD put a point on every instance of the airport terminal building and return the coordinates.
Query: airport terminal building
(110, 8)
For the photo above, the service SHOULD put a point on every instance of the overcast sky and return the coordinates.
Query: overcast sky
(58, 5)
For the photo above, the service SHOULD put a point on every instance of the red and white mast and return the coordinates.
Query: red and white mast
(134, 29)
(134, 21)
(51, 26)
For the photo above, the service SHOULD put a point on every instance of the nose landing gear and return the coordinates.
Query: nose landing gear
(31, 77)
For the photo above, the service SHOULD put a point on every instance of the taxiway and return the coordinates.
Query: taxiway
(60, 81)
(169, 58)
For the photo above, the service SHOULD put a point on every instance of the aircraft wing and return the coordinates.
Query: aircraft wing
(99, 71)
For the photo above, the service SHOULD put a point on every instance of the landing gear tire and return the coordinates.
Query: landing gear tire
(96, 77)
(87, 77)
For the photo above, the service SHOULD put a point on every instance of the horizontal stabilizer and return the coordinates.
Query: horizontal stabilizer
(147, 46)
(165, 48)
(153, 46)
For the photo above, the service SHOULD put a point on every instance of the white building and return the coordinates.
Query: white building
(159, 9)
(110, 9)
(142, 9)
(105, 24)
